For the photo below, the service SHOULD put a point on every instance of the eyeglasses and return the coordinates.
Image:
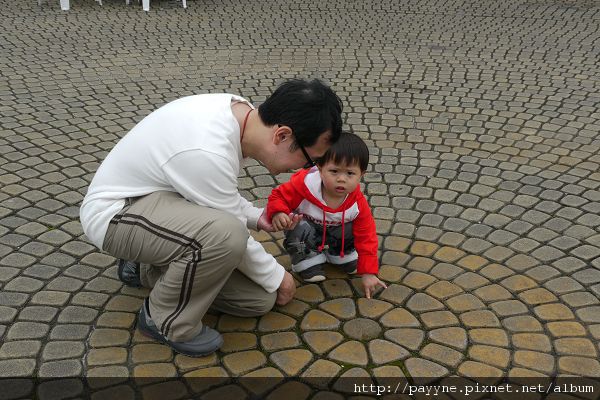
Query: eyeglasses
(309, 161)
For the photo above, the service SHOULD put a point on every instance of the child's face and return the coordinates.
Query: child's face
(339, 180)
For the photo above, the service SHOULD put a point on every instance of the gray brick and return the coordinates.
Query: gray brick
(594, 240)
(64, 284)
(41, 271)
(403, 202)
(586, 252)
(479, 230)
(7, 314)
(450, 210)
(498, 253)
(473, 214)
(20, 349)
(587, 276)
(519, 227)
(456, 224)
(591, 220)
(50, 298)
(428, 234)
(13, 299)
(17, 368)
(468, 200)
(496, 220)
(434, 220)
(24, 284)
(426, 206)
(14, 240)
(76, 314)
(475, 245)
(37, 314)
(562, 285)
(502, 237)
(452, 239)
(547, 253)
(57, 259)
(446, 271)
(490, 205)
(70, 332)
(535, 217)
(61, 350)
(579, 299)
(524, 245)
(81, 272)
(542, 234)
(62, 369)
(17, 260)
(503, 195)
(422, 192)
(403, 229)
(27, 330)
(569, 264)
(558, 224)
(90, 299)
(543, 273)
(407, 216)
(548, 206)
(55, 237)
(530, 190)
(592, 208)
(569, 213)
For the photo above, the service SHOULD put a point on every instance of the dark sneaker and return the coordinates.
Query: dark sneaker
(129, 273)
(206, 342)
(313, 274)
(349, 267)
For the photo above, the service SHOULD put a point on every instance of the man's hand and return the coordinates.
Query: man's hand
(264, 223)
(370, 283)
(286, 290)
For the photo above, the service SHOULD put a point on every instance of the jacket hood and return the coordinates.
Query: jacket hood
(308, 182)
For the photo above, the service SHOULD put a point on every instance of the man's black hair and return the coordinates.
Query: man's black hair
(309, 108)
(349, 149)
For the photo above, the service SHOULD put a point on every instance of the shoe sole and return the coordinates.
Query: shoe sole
(318, 278)
(159, 338)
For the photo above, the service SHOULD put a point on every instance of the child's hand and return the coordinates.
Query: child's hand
(370, 283)
(281, 221)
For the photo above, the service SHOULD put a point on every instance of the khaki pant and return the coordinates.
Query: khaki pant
(188, 255)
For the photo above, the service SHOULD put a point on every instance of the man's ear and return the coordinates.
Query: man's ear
(283, 133)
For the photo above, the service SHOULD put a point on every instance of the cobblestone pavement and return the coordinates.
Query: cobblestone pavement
(483, 124)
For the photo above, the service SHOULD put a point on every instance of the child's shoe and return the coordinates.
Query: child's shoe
(315, 273)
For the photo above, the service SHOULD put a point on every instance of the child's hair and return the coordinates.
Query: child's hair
(349, 149)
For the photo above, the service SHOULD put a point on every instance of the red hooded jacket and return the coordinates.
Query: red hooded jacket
(302, 195)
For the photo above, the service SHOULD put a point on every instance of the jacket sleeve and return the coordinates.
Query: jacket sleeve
(284, 198)
(365, 238)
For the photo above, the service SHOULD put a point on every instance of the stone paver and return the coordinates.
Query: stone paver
(483, 179)
(291, 361)
(352, 352)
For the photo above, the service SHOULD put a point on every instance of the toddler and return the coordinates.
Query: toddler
(337, 225)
